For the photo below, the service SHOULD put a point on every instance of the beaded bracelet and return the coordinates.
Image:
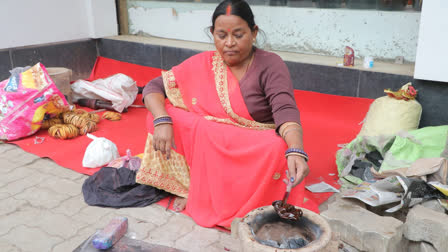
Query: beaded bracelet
(162, 120)
(296, 150)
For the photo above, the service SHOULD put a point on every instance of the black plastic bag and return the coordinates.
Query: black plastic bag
(112, 187)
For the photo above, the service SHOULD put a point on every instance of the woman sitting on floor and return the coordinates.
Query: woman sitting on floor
(229, 129)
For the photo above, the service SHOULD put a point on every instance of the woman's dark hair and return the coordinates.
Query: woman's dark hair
(238, 8)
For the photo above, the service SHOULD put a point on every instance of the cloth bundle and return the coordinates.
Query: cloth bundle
(111, 187)
(388, 115)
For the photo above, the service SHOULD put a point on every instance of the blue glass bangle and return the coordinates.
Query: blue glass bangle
(159, 120)
(296, 150)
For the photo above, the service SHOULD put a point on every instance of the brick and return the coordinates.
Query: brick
(92, 214)
(6, 147)
(420, 247)
(31, 239)
(62, 185)
(198, 239)
(434, 205)
(177, 226)
(4, 195)
(217, 247)
(164, 242)
(7, 165)
(69, 244)
(21, 185)
(57, 224)
(48, 166)
(42, 197)
(363, 229)
(6, 246)
(71, 206)
(346, 247)
(228, 242)
(10, 205)
(94, 226)
(138, 228)
(21, 216)
(338, 197)
(16, 174)
(156, 213)
(19, 156)
(424, 224)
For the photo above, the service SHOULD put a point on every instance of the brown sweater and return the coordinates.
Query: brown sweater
(266, 89)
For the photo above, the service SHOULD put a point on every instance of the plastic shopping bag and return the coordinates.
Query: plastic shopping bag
(99, 152)
(25, 98)
(120, 89)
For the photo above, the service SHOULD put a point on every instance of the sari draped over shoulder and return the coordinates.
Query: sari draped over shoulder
(226, 163)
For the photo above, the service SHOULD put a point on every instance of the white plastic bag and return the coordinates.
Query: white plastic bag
(120, 89)
(99, 152)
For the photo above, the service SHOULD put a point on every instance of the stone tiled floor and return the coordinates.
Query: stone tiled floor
(42, 209)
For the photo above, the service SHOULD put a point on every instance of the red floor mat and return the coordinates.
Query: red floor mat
(327, 120)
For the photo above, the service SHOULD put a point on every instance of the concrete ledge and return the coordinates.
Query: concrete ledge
(379, 66)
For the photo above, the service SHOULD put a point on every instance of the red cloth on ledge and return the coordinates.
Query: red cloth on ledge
(327, 120)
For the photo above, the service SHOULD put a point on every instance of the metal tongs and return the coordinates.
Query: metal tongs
(285, 210)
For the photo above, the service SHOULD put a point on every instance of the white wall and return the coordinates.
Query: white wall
(33, 22)
(432, 50)
(381, 34)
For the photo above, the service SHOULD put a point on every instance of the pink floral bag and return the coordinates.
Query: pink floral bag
(25, 99)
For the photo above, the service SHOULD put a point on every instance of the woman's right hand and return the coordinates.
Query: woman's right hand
(163, 139)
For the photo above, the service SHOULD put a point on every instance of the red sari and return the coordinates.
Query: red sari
(235, 164)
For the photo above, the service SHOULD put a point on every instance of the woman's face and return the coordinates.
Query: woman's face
(233, 39)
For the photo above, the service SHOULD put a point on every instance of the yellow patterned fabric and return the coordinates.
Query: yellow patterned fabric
(172, 90)
(171, 175)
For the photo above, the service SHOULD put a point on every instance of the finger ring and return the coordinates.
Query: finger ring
(291, 179)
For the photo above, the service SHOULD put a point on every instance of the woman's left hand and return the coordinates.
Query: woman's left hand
(297, 169)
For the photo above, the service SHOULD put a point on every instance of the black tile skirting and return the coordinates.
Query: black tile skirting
(80, 57)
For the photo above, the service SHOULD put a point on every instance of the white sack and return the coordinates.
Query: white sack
(120, 89)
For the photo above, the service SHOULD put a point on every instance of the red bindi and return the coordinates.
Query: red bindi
(228, 10)
(228, 29)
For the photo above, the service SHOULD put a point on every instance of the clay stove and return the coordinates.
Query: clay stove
(263, 230)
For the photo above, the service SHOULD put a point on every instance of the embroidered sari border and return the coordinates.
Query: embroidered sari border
(172, 90)
(220, 72)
